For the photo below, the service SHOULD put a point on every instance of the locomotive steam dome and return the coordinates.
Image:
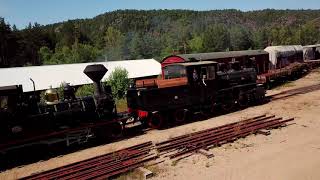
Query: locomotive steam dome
(51, 96)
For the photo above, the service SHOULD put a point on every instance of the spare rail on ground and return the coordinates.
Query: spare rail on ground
(205, 139)
(103, 166)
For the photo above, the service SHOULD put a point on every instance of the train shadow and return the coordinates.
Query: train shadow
(202, 116)
(293, 92)
(25, 156)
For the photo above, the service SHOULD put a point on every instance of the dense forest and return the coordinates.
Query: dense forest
(136, 34)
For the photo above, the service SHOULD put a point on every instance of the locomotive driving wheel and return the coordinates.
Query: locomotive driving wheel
(243, 100)
(155, 120)
(116, 130)
(180, 115)
(228, 105)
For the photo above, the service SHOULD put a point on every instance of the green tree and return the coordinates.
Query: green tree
(196, 44)
(45, 55)
(309, 34)
(85, 90)
(216, 38)
(82, 53)
(136, 46)
(114, 41)
(240, 39)
(119, 82)
(260, 39)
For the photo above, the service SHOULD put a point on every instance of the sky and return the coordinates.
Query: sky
(21, 12)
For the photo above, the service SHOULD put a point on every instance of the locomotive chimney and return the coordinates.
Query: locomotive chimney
(95, 73)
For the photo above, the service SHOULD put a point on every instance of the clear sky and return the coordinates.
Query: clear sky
(21, 12)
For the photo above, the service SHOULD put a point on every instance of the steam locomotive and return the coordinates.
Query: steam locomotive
(192, 87)
(25, 121)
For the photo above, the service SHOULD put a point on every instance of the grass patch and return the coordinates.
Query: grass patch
(286, 84)
(121, 105)
(155, 169)
(133, 174)
(174, 163)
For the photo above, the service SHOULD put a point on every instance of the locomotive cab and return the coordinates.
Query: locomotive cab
(195, 73)
(184, 86)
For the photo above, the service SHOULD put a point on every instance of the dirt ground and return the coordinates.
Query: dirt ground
(291, 153)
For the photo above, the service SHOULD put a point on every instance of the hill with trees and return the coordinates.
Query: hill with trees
(135, 34)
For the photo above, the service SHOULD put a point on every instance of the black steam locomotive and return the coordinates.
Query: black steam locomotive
(194, 87)
(26, 121)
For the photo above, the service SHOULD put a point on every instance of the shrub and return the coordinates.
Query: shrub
(119, 82)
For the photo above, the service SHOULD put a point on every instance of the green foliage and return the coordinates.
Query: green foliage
(45, 54)
(196, 44)
(85, 90)
(216, 38)
(114, 40)
(240, 39)
(135, 34)
(309, 34)
(78, 53)
(119, 82)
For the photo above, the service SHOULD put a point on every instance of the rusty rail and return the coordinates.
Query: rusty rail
(185, 144)
(112, 163)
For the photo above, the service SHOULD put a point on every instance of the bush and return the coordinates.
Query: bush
(119, 81)
(85, 90)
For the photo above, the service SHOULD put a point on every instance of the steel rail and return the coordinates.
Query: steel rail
(229, 133)
(80, 163)
(104, 173)
(85, 167)
(106, 167)
(232, 136)
(214, 133)
(206, 130)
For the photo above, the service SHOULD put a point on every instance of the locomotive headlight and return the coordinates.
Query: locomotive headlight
(138, 93)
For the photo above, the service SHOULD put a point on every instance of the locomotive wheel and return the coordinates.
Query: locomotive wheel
(243, 100)
(227, 106)
(155, 120)
(116, 130)
(180, 115)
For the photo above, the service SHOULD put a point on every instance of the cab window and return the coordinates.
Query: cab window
(208, 73)
(174, 71)
(3, 102)
(211, 72)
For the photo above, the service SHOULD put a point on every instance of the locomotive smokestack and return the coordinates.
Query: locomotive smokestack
(95, 73)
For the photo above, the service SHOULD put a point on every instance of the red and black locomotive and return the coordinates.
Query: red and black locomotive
(192, 87)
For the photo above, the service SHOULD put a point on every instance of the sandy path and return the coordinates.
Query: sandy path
(290, 153)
